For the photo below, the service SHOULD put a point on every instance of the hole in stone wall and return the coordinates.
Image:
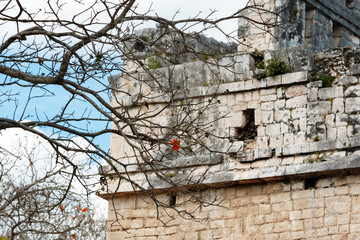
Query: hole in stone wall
(249, 131)
(310, 183)
(172, 200)
(139, 46)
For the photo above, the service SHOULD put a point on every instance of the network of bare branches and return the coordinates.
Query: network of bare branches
(32, 189)
(53, 57)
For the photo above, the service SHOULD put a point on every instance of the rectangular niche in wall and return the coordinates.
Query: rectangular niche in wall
(249, 130)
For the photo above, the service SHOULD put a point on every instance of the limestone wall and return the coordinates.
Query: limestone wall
(284, 150)
(295, 177)
(318, 24)
(297, 121)
(322, 208)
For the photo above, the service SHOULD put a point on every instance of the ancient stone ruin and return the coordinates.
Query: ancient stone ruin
(289, 165)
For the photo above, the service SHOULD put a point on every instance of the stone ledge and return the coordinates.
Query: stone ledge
(228, 175)
(339, 13)
(174, 163)
(225, 88)
(326, 145)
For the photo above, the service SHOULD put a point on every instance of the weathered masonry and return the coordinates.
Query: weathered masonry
(318, 24)
(291, 162)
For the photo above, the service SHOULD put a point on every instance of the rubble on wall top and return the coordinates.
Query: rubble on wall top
(172, 46)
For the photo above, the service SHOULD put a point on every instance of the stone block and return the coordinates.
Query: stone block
(244, 63)
(268, 106)
(305, 147)
(355, 69)
(289, 78)
(324, 192)
(341, 142)
(346, 80)
(280, 93)
(258, 116)
(248, 84)
(303, 203)
(280, 104)
(330, 93)
(343, 219)
(137, 223)
(280, 197)
(338, 105)
(289, 139)
(226, 67)
(298, 113)
(354, 142)
(255, 104)
(256, 83)
(295, 215)
(315, 119)
(353, 91)
(296, 102)
(273, 81)
(273, 130)
(341, 120)
(262, 142)
(294, 149)
(320, 108)
(269, 91)
(262, 153)
(248, 96)
(236, 119)
(282, 116)
(296, 91)
(315, 84)
(276, 141)
(266, 98)
(267, 116)
(300, 137)
(331, 133)
(313, 93)
(337, 205)
(352, 105)
(263, 83)
(236, 147)
(353, 131)
(327, 145)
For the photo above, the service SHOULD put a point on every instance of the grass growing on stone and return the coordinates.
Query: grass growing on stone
(153, 63)
(327, 80)
(275, 67)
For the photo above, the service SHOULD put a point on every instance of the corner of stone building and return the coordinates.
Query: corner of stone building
(297, 175)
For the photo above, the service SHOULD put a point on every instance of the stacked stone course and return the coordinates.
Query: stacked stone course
(298, 178)
(304, 131)
(275, 210)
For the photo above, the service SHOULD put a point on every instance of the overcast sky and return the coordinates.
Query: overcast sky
(163, 8)
(190, 8)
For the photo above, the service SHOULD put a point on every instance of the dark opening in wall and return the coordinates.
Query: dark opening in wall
(310, 183)
(139, 46)
(172, 200)
(249, 131)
